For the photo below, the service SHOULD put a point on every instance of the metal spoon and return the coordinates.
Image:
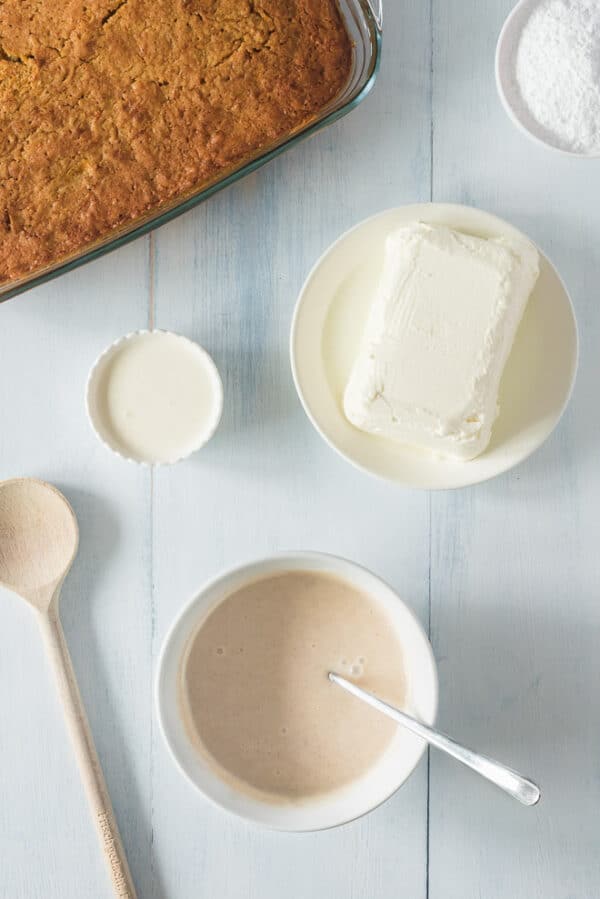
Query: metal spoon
(38, 542)
(508, 780)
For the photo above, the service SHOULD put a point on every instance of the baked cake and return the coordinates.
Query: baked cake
(112, 108)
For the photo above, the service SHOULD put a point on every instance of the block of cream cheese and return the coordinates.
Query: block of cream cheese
(438, 336)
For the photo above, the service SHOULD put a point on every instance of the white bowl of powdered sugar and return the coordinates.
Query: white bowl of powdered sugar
(548, 73)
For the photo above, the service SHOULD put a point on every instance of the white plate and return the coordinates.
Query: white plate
(506, 83)
(328, 321)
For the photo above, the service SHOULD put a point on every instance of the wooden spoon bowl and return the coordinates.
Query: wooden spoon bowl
(38, 539)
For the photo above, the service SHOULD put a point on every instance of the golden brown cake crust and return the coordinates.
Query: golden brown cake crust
(109, 108)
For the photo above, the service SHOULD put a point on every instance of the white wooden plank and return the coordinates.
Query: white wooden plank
(48, 340)
(228, 276)
(515, 571)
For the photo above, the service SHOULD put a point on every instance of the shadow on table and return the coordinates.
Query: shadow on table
(518, 681)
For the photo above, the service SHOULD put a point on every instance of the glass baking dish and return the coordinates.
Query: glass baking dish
(363, 20)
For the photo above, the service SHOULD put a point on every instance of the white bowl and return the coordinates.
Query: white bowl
(326, 330)
(338, 807)
(507, 87)
(96, 412)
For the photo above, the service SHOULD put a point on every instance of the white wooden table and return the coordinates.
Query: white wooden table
(505, 575)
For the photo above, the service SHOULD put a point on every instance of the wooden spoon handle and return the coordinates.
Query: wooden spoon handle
(89, 764)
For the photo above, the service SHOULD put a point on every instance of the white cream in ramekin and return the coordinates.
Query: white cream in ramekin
(154, 397)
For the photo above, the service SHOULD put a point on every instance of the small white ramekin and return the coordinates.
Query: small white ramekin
(95, 418)
(505, 53)
(341, 806)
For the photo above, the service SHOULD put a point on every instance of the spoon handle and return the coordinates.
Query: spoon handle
(89, 764)
(508, 780)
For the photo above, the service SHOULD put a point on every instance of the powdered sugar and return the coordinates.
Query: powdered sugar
(557, 74)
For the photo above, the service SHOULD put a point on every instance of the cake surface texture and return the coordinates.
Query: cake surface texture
(112, 108)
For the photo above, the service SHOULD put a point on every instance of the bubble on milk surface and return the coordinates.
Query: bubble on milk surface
(355, 668)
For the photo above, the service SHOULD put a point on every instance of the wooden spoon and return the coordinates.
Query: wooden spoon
(38, 542)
